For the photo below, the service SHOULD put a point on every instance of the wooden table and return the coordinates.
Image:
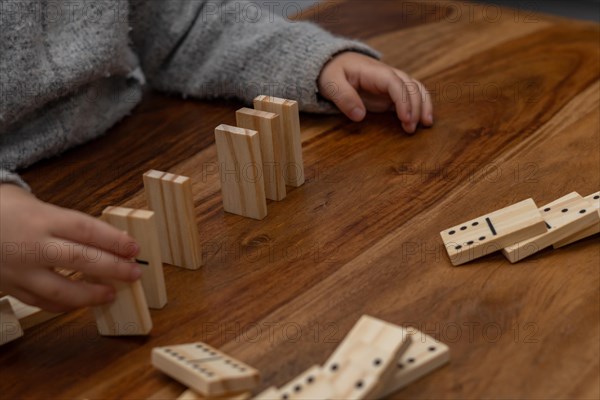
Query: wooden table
(517, 99)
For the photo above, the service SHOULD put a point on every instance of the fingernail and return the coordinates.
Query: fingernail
(136, 273)
(357, 114)
(110, 296)
(430, 119)
(135, 249)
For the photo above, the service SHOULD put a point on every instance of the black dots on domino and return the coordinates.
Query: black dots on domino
(463, 228)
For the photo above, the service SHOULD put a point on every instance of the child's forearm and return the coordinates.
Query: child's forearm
(210, 49)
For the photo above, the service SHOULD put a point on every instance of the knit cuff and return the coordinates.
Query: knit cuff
(11, 177)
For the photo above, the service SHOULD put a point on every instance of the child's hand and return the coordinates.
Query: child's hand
(36, 237)
(353, 81)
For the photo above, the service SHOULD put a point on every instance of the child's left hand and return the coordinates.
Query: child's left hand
(357, 83)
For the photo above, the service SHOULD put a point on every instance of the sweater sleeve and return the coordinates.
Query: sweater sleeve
(11, 177)
(233, 49)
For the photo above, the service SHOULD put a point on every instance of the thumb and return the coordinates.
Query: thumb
(336, 88)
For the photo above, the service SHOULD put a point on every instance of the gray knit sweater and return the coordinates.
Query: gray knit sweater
(69, 70)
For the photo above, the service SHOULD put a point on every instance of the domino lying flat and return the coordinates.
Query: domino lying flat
(191, 395)
(351, 373)
(594, 199)
(493, 232)
(170, 197)
(564, 217)
(10, 328)
(204, 369)
(370, 350)
(29, 316)
(424, 355)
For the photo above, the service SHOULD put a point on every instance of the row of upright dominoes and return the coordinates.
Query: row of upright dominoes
(375, 359)
(260, 156)
(165, 233)
(257, 159)
(523, 229)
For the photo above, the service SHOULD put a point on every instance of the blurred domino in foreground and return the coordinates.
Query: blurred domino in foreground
(205, 370)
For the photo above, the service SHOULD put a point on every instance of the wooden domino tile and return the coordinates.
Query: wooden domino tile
(240, 166)
(493, 232)
(128, 314)
(311, 384)
(564, 217)
(271, 137)
(141, 225)
(292, 141)
(424, 355)
(594, 199)
(191, 395)
(370, 349)
(29, 316)
(270, 393)
(205, 370)
(10, 328)
(170, 197)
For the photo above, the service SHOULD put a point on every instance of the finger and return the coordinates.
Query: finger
(54, 288)
(427, 105)
(376, 103)
(385, 81)
(22, 295)
(81, 228)
(343, 94)
(31, 299)
(89, 260)
(414, 96)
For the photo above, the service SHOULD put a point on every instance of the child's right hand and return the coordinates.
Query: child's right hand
(37, 237)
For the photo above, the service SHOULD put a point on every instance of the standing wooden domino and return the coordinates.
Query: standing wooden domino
(424, 355)
(292, 141)
(594, 199)
(141, 224)
(493, 232)
(564, 217)
(170, 197)
(128, 314)
(240, 166)
(205, 370)
(367, 357)
(271, 138)
(10, 328)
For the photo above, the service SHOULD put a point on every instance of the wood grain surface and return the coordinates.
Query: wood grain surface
(517, 99)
